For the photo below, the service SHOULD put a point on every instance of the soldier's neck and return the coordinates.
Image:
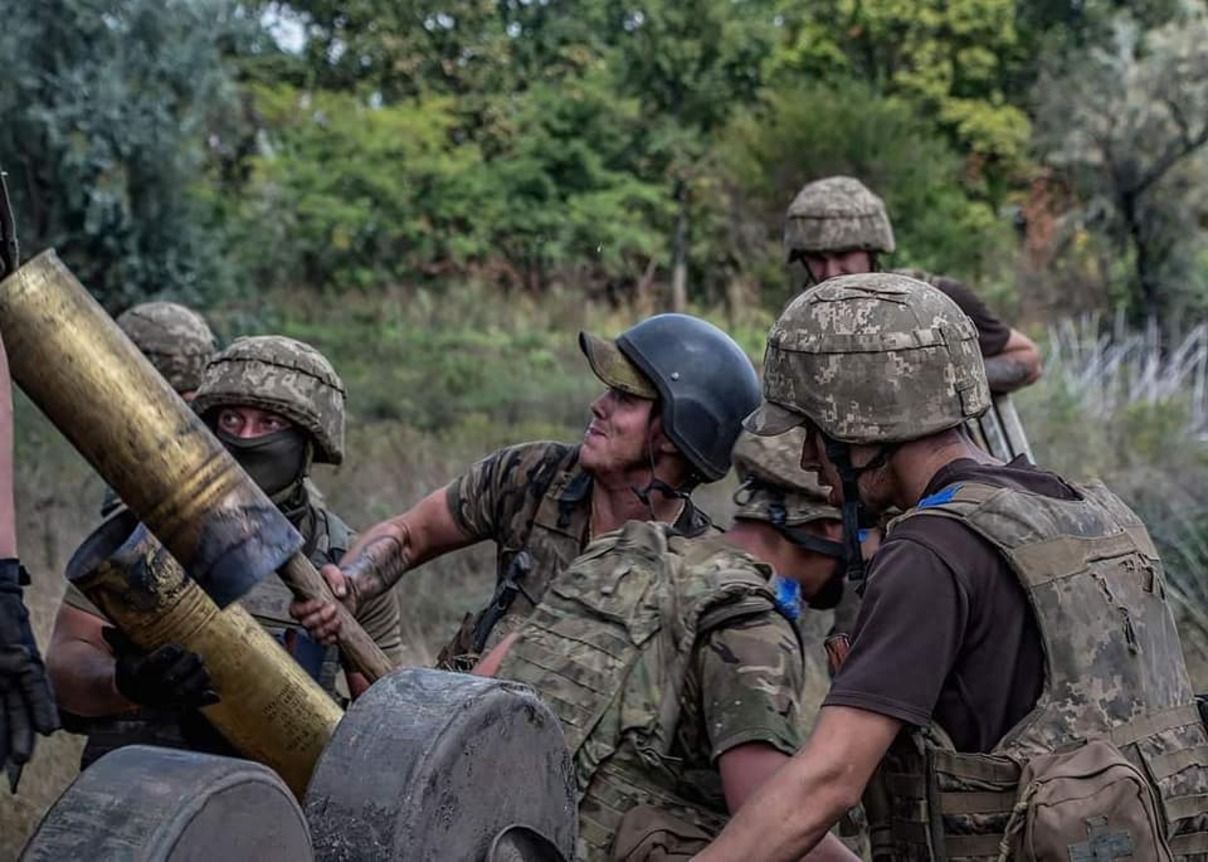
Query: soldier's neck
(613, 505)
(915, 463)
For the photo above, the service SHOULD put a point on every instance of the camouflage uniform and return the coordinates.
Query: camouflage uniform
(176, 340)
(293, 380)
(534, 501)
(659, 653)
(1114, 667)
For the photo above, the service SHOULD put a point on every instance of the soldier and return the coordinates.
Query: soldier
(678, 388)
(1015, 627)
(675, 665)
(836, 226)
(27, 704)
(278, 406)
(175, 339)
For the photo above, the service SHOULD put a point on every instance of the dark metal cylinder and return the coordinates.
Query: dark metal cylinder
(95, 386)
(270, 709)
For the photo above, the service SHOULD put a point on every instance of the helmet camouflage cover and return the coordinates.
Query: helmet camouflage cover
(176, 340)
(284, 376)
(836, 214)
(774, 487)
(871, 358)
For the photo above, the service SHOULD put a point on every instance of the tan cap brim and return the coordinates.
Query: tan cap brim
(613, 368)
(772, 420)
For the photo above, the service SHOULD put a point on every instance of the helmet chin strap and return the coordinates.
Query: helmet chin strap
(855, 514)
(832, 591)
(656, 484)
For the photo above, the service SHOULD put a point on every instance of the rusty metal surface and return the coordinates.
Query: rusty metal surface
(270, 710)
(152, 804)
(429, 765)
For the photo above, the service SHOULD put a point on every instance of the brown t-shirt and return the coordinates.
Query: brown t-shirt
(945, 630)
(992, 333)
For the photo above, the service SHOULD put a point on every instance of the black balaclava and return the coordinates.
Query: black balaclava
(277, 462)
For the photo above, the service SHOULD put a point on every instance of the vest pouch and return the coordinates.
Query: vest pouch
(650, 834)
(1087, 804)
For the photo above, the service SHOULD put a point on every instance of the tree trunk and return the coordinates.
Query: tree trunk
(679, 252)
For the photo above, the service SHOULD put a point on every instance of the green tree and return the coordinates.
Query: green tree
(1128, 124)
(953, 58)
(799, 133)
(106, 112)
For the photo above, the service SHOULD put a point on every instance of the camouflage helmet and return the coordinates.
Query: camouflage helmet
(836, 214)
(285, 376)
(774, 487)
(175, 339)
(871, 358)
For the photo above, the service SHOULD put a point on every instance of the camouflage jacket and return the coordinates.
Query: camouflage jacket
(1114, 670)
(534, 502)
(659, 653)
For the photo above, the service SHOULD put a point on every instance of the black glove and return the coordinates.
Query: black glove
(26, 701)
(169, 677)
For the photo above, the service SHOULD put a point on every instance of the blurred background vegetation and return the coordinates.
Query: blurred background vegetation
(440, 193)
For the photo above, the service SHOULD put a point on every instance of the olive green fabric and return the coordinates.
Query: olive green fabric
(616, 649)
(1114, 670)
(283, 376)
(176, 340)
(836, 214)
(533, 501)
(613, 369)
(774, 487)
(871, 358)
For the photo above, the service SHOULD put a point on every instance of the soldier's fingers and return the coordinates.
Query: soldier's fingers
(41, 700)
(300, 610)
(319, 617)
(20, 731)
(335, 580)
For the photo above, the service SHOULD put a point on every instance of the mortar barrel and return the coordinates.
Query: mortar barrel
(101, 393)
(270, 709)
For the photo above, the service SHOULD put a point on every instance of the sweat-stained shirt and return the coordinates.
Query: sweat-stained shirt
(944, 629)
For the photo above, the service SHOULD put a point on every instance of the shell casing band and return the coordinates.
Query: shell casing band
(270, 710)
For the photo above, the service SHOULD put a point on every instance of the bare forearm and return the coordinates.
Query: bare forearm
(82, 678)
(1017, 365)
(378, 559)
(791, 812)
(1006, 373)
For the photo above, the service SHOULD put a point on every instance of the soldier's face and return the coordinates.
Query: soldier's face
(248, 423)
(831, 264)
(872, 484)
(618, 434)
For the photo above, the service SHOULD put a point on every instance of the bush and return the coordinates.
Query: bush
(803, 132)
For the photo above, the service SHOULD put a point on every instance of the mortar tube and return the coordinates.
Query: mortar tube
(270, 709)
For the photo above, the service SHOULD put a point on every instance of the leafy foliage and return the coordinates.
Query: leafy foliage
(1128, 122)
(106, 114)
(799, 133)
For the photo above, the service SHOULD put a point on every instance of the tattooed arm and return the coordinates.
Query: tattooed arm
(379, 557)
(1015, 366)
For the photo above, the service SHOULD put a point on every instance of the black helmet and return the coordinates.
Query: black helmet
(706, 383)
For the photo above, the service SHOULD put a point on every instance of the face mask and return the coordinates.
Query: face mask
(274, 461)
